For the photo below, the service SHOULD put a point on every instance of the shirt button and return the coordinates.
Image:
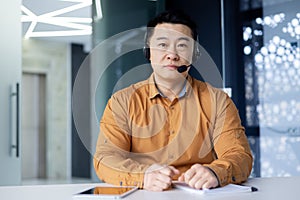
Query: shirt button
(233, 179)
(172, 132)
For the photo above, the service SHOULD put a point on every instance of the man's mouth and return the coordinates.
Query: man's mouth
(173, 67)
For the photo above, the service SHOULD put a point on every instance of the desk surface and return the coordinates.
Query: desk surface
(277, 188)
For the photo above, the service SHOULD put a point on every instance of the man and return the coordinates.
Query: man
(171, 126)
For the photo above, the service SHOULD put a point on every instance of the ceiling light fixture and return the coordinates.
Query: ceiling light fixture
(78, 25)
(99, 14)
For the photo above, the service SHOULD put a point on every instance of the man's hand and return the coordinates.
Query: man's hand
(199, 177)
(159, 177)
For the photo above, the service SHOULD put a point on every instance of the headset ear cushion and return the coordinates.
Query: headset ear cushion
(146, 51)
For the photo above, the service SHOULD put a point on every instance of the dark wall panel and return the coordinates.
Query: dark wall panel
(81, 158)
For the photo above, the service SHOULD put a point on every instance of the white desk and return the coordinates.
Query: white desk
(278, 188)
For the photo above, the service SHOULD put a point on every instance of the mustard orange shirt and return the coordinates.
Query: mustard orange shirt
(140, 127)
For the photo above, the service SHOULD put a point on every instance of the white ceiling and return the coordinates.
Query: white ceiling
(42, 7)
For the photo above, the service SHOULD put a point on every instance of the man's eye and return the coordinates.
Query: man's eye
(182, 45)
(162, 45)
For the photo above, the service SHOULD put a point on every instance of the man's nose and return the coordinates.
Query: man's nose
(172, 54)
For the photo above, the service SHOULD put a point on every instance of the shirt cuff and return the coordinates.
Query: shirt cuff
(214, 174)
(219, 173)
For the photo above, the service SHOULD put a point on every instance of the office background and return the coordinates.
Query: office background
(254, 44)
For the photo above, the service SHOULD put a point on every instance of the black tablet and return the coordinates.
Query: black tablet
(105, 192)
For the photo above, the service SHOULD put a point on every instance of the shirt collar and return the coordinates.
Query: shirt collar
(154, 91)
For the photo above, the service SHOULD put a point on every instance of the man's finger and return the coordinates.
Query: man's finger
(181, 177)
(169, 171)
(174, 170)
(189, 175)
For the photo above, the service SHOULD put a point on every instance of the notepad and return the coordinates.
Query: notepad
(230, 188)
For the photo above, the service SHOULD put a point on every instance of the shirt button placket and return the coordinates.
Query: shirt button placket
(172, 131)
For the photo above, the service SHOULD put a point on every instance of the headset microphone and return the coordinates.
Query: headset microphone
(182, 68)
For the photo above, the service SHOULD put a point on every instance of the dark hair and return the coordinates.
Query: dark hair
(173, 17)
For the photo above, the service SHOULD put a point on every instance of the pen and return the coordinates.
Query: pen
(254, 189)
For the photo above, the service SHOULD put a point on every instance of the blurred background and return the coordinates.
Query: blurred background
(57, 73)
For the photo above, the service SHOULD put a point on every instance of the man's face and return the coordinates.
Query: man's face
(171, 45)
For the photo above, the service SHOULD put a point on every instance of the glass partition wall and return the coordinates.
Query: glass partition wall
(271, 33)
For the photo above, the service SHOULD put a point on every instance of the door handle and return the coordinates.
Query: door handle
(17, 95)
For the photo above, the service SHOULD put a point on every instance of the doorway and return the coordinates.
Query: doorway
(33, 126)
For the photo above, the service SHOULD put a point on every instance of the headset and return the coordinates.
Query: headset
(146, 48)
